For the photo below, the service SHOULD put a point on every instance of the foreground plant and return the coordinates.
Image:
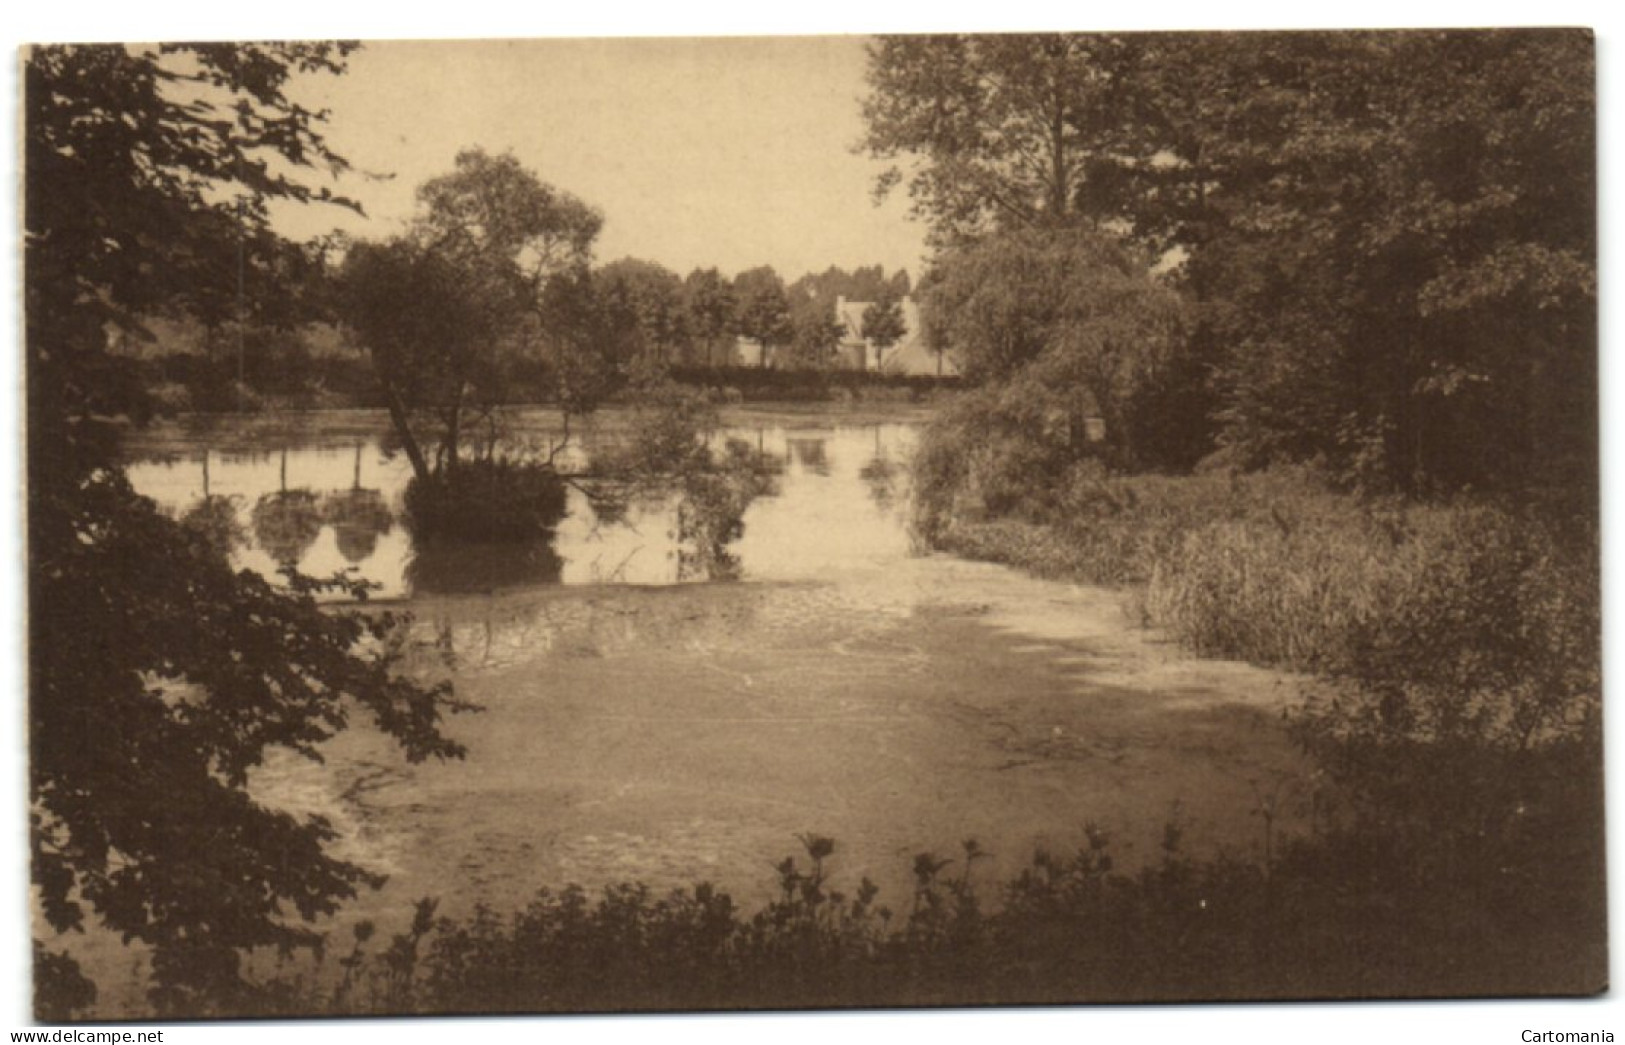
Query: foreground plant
(1351, 910)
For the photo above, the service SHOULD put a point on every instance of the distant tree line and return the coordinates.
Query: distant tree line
(291, 346)
(1373, 250)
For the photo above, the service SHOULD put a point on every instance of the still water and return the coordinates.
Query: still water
(638, 728)
(333, 501)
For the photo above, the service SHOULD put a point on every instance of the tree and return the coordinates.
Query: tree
(432, 330)
(822, 290)
(709, 304)
(763, 310)
(490, 210)
(656, 296)
(1005, 128)
(447, 309)
(595, 334)
(815, 331)
(1344, 271)
(1388, 238)
(1070, 311)
(137, 162)
(884, 324)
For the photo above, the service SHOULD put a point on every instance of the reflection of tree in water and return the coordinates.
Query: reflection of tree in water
(214, 518)
(880, 475)
(811, 454)
(457, 568)
(359, 518)
(286, 524)
(711, 511)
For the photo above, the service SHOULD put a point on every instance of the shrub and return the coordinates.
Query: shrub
(487, 500)
(999, 451)
(712, 504)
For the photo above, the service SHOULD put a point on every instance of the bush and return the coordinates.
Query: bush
(489, 500)
(999, 451)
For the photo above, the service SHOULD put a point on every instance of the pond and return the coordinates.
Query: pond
(331, 500)
(640, 724)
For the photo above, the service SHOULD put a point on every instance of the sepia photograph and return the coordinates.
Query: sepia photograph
(747, 524)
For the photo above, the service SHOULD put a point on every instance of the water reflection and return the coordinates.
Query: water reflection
(810, 454)
(880, 476)
(214, 518)
(786, 503)
(287, 522)
(358, 517)
(711, 510)
(455, 568)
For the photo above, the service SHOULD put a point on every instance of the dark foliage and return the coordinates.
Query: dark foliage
(139, 752)
(883, 323)
(1349, 911)
(485, 501)
(1387, 240)
(139, 755)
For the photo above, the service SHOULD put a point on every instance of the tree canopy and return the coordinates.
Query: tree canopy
(1388, 237)
(763, 308)
(1071, 309)
(655, 294)
(449, 309)
(1004, 128)
(883, 322)
(709, 302)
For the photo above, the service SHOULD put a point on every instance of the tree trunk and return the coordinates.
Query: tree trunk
(409, 443)
(453, 436)
(454, 429)
(1058, 165)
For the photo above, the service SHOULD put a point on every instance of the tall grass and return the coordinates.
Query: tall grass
(1488, 609)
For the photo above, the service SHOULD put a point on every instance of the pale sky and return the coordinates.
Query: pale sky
(699, 152)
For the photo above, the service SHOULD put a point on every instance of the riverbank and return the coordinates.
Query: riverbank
(185, 382)
(1149, 829)
(231, 432)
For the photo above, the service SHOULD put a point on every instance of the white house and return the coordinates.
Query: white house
(908, 356)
